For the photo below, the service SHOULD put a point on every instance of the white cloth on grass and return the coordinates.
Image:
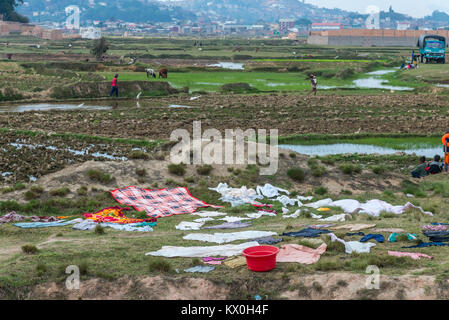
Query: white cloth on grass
(302, 198)
(285, 210)
(228, 237)
(202, 220)
(185, 225)
(206, 214)
(233, 219)
(335, 218)
(319, 203)
(353, 246)
(374, 207)
(259, 214)
(270, 191)
(293, 215)
(286, 201)
(237, 196)
(227, 250)
(90, 225)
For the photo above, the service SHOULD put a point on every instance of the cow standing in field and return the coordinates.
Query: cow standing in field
(150, 72)
(163, 73)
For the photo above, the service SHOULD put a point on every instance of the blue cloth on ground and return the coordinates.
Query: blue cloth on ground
(90, 225)
(378, 237)
(60, 223)
(427, 244)
(267, 240)
(307, 232)
(355, 234)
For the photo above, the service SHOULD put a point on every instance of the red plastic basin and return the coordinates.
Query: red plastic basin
(261, 258)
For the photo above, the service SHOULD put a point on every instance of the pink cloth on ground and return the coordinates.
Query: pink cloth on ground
(299, 253)
(413, 255)
(213, 262)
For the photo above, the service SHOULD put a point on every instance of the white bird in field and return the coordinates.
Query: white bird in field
(138, 96)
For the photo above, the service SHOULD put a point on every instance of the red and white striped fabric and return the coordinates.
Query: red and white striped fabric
(158, 203)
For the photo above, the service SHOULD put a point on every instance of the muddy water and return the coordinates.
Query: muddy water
(342, 148)
(48, 106)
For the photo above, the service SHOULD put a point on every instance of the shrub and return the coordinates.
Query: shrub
(30, 195)
(138, 154)
(379, 170)
(99, 230)
(347, 168)
(292, 154)
(141, 172)
(97, 175)
(29, 249)
(159, 265)
(204, 170)
(320, 190)
(37, 189)
(177, 169)
(60, 192)
(19, 186)
(41, 269)
(296, 174)
(82, 191)
(318, 171)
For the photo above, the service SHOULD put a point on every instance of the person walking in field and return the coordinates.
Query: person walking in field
(114, 86)
(314, 83)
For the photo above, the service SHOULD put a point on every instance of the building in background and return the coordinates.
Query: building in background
(90, 33)
(403, 26)
(285, 24)
(326, 26)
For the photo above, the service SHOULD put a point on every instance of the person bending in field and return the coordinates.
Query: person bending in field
(421, 170)
(114, 86)
(314, 83)
(436, 166)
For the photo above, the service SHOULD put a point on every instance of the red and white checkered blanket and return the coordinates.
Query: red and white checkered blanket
(159, 203)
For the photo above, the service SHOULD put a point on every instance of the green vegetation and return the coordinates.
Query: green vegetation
(296, 174)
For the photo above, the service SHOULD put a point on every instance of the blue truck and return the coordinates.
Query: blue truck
(432, 48)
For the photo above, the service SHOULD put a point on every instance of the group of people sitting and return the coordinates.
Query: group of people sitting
(425, 169)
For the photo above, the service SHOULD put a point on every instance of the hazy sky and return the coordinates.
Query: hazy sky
(414, 8)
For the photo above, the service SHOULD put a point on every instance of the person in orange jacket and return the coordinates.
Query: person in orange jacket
(445, 141)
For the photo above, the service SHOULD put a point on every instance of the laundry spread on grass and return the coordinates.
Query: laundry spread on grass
(437, 227)
(300, 254)
(413, 255)
(378, 237)
(228, 237)
(113, 215)
(227, 250)
(307, 232)
(184, 225)
(202, 269)
(437, 236)
(234, 219)
(235, 262)
(355, 226)
(393, 237)
(268, 240)
(230, 225)
(212, 260)
(208, 214)
(60, 223)
(140, 227)
(160, 203)
(353, 246)
(14, 217)
(427, 244)
(372, 207)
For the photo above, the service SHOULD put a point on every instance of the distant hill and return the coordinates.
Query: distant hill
(126, 10)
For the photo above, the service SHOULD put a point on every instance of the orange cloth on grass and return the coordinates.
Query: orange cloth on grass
(113, 214)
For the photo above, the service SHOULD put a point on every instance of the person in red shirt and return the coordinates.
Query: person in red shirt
(114, 86)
